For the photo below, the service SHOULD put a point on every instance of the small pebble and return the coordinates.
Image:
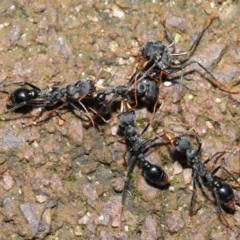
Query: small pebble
(190, 96)
(60, 122)
(177, 168)
(114, 130)
(118, 184)
(83, 220)
(187, 175)
(167, 84)
(78, 232)
(118, 13)
(113, 46)
(8, 182)
(41, 198)
(115, 223)
(209, 125)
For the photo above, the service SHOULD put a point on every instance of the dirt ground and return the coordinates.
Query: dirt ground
(59, 179)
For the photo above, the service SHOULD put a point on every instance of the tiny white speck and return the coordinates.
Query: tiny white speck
(167, 83)
(212, 4)
(118, 13)
(190, 96)
(209, 125)
(35, 144)
(100, 82)
(190, 188)
(114, 130)
(77, 8)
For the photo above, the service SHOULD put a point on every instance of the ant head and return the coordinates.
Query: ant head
(127, 118)
(152, 49)
(87, 86)
(182, 144)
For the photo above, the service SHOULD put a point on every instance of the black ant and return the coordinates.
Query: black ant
(35, 97)
(145, 89)
(222, 191)
(153, 174)
(156, 59)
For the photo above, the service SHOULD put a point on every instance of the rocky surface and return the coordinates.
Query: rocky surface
(62, 179)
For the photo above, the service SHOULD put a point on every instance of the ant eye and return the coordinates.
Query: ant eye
(176, 142)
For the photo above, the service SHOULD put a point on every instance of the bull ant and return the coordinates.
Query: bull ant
(153, 174)
(156, 59)
(35, 97)
(222, 191)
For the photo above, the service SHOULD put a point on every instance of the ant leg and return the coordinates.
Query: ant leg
(121, 140)
(198, 39)
(217, 168)
(124, 105)
(87, 112)
(193, 195)
(126, 183)
(131, 166)
(220, 210)
(22, 83)
(168, 33)
(16, 107)
(170, 135)
(135, 93)
(214, 81)
(36, 120)
(199, 142)
(31, 85)
(159, 109)
(30, 104)
(219, 154)
(195, 43)
(99, 115)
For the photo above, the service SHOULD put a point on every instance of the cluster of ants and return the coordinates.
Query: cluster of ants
(155, 61)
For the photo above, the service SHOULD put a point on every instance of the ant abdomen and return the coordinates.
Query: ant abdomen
(21, 95)
(225, 194)
(154, 173)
